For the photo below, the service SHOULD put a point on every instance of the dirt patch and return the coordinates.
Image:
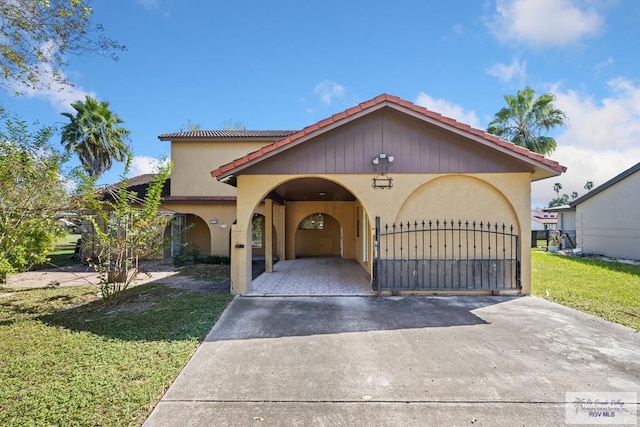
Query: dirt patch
(205, 278)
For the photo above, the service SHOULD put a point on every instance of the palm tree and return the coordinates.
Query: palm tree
(557, 187)
(95, 134)
(527, 119)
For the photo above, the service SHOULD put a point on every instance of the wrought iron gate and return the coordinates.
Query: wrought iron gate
(446, 256)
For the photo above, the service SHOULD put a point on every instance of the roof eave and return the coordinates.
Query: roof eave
(616, 179)
(541, 167)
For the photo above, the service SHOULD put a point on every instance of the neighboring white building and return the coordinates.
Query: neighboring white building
(541, 220)
(607, 219)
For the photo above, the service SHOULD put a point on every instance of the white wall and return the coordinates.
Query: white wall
(609, 222)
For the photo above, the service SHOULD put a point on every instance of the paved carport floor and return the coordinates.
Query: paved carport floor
(313, 276)
(398, 361)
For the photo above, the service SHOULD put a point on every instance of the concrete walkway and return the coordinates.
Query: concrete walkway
(313, 276)
(416, 361)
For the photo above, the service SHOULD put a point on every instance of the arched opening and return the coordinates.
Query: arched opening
(320, 227)
(318, 235)
(189, 235)
(258, 239)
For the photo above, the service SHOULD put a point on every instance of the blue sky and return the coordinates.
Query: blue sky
(288, 64)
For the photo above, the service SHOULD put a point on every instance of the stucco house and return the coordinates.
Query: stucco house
(605, 220)
(421, 202)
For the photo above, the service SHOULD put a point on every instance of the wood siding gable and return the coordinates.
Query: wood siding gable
(418, 147)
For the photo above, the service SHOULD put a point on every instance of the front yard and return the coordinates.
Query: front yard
(66, 359)
(606, 289)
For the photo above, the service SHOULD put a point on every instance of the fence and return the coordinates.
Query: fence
(445, 256)
(542, 238)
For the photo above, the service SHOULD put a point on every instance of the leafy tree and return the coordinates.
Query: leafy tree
(125, 229)
(230, 124)
(588, 186)
(526, 121)
(559, 201)
(95, 135)
(574, 195)
(31, 194)
(36, 36)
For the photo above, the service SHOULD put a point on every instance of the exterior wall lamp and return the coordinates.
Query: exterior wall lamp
(382, 180)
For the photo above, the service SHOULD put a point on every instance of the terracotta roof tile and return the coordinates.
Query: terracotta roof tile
(225, 134)
(199, 199)
(288, 139)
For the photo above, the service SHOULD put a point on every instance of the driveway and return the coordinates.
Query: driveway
(415, 361)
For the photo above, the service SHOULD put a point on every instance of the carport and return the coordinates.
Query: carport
(391, 162)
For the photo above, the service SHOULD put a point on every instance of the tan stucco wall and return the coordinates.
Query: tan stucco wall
(218, 234)
(198, 236)
(325, 242)
(608, 222)
(499, 197)
(194, 161)
(343, 212)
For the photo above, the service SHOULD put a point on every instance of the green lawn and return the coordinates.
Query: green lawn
(66, 359)
(62, 255)
(610, 290)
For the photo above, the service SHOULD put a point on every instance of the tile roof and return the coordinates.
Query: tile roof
(375, 103)
(134, 181)
(225, 134)
(199, 199)
(139, 184)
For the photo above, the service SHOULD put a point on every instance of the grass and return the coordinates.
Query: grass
(62, 255)
(610, 290)
(67, 359)
(210, 272)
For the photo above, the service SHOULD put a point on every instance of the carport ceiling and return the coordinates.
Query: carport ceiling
(311, 189)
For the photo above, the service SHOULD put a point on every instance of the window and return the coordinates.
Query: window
(312, 222)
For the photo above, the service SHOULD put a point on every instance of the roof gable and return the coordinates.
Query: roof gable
(613, 181)
(494, 147)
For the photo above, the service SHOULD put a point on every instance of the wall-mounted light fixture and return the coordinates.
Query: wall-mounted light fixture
(382, 156)
(382, 162)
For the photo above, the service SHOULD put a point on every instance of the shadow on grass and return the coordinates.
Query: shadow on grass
(149, 312)
(616, 266)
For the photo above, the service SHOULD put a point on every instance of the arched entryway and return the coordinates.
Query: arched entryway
(258, 237)
(318, 235)
(321, 225)
(189, 235)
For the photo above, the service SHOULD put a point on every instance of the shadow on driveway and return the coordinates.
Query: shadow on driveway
(415, 361)
(277, 317)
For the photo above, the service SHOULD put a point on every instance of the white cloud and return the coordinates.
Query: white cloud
(328, 90)
(613, 122)
(59, 94)
(545, 22)
(505, 73)
(143, 164)
(583, 164)
(601, 141)
(458, 29)
(149, 4)
(448, 109)
(602, 65)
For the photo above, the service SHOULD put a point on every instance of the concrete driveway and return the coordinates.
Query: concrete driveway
(415, 361)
